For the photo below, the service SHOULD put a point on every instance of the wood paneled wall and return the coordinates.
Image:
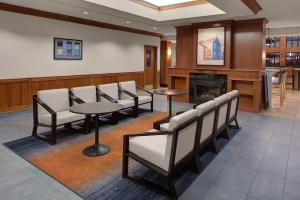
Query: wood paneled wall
(244, 59)
(165, 60)
(16, 94)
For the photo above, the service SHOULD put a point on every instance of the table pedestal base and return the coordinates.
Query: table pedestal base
(96, 150)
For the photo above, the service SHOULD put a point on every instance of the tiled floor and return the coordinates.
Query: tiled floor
(260, 163)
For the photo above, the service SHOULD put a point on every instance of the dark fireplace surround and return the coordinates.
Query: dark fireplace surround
(205, 87)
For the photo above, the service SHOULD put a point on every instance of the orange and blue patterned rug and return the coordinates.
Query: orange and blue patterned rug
(100, 177)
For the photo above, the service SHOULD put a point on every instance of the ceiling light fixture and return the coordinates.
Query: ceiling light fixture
(269, 40)
(128, 22)
(154, 28)
(85, 13)
(167, 2)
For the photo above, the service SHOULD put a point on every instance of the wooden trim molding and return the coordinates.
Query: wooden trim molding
(171, 7)
(16, 94)
(253, 5)
(67, 18)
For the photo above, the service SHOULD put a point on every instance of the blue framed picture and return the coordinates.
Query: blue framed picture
(67, 49)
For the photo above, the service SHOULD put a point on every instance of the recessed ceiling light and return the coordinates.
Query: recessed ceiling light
(154, 28)
(167, 2)
(85, 13)
(128, 22)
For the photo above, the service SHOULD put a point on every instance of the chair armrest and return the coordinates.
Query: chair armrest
(44, 105)
(74, 98)
(140, 88)
(156, 125)
(128, 93)
(148, 134)
(109, 98)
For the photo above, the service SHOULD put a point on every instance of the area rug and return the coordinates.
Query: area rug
(99, 178)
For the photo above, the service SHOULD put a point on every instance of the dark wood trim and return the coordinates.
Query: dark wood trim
(67, 18)
(253, 5)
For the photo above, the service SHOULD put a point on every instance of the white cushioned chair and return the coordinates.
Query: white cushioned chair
(131, 87)
(111, 92)
(51, 109)
(233, 98)
(165, 151)
(88, 94)
(222, 112)
(207, 113)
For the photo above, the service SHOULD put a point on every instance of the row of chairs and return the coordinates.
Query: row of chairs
(177, 143)
(51, 107)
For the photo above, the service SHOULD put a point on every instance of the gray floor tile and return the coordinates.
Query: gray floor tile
(291, 190)
(274, 165)
(223, 192)
(267, 187)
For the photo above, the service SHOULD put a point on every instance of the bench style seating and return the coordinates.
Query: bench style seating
(112, 92)
(233, 98)
(164, 151)
(51, 109)
(208, 117)
(88, 94)
(222, 112)
(131, 87)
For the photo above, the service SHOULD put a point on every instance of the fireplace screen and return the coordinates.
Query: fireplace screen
(205, 87)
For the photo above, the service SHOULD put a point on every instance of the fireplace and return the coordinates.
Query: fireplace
(205, 87)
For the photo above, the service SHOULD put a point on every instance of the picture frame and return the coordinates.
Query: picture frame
(211, 46)
(67, 49)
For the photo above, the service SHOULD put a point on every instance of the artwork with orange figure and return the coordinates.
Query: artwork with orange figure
(67, 164)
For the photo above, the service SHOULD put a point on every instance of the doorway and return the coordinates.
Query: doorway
(150, 66)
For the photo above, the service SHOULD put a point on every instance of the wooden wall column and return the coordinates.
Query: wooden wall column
(165, 61)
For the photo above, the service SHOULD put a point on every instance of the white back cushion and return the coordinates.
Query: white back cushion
(57, 100)
(223, 109)
(109, 89)
(233, 94)
(130, 86)
(186, 137)
(88, 94)
(208, 119)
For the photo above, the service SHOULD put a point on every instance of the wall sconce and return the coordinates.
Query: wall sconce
(169, 52)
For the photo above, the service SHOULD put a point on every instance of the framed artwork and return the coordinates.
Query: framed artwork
(67, 49)
(211, 46)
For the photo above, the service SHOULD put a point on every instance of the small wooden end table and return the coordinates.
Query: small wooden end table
(96, 109)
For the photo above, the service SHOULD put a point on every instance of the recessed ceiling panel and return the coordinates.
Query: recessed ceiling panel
(167, 2)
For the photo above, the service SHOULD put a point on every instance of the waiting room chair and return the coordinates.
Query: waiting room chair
(51, 109)
(131, 87)
(112, 92)
(165, 151)
(88, 94)
(222, 112)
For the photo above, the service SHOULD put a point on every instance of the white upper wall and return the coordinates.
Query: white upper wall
(27, 48)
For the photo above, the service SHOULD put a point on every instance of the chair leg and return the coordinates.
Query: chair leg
(151, 106)
(172, 189)
(237, 124)
(34, 130)
(216, 146)
(125, 166)
(115, 118)
(198, 165)
(226, 133)
(53, 135)
(136, 111)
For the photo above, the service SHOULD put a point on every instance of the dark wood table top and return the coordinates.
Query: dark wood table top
(95, 108)
(170, 92)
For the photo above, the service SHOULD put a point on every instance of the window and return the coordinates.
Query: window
(276, 43)
(292, 41)
(273, 59)
(293, 59)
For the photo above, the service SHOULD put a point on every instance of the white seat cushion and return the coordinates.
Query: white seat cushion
(126, 103)
(152, 149)
(130, 86)
(144, 99)
(88, 94)
(56, 99)
(62, 117)
(109, 89)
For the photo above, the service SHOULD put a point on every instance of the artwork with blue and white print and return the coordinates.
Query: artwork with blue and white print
(210, 46)
(67, 49)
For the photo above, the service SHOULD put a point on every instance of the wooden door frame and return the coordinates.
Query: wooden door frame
(155, 64)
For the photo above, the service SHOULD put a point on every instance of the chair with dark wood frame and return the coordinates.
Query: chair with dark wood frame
(109, 98)
(52, 139)
(223, 109)
(79, 98)
(234, 99)
(173, 166)
(131, 87)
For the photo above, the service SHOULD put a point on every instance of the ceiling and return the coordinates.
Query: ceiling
(281, 14)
